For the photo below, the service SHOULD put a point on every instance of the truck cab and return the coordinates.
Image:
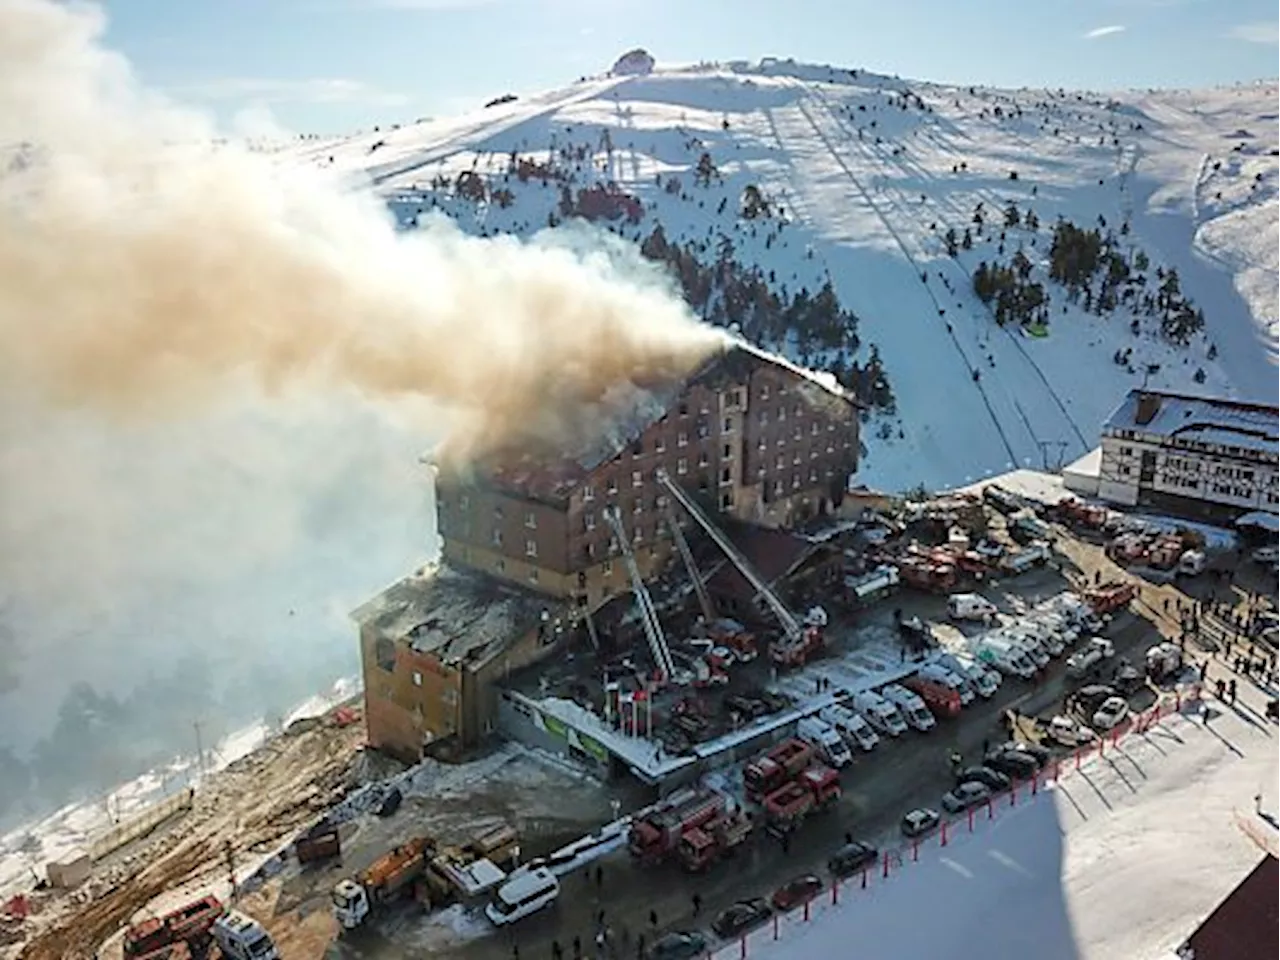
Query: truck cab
(911, 707)
(826, 741)
(350, 904)
(1006, 656)
(940, 674)
(970, 606)
(856, 731)
(240, 937)
(880, 713)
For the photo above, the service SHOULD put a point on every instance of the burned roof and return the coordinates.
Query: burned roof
(638, 407)
(454, 614)
(1243, 927)
(772, 554)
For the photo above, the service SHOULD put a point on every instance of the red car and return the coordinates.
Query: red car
(797, 891)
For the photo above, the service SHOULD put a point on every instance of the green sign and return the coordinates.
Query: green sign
(594, 748)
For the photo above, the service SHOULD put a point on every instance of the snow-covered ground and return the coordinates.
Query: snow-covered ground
(1121, 859)
(868, 187)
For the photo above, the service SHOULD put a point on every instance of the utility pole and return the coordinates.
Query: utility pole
(199, 748)
(1060, 446)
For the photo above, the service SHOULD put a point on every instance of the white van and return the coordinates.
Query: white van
(910, 706)
(880, 713)
(1006, 656)
(825, 740)
(937, 673)
(242, 938)
(970, 606)
(983, 681)
(856, 731)
(527, 892)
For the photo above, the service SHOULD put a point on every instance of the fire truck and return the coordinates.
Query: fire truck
(780, 764)
(940, 699)
(190, 925)
(1110, 597)
(696, 826)
(816, 788)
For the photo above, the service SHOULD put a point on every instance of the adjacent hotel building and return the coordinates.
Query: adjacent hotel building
(1197, 457)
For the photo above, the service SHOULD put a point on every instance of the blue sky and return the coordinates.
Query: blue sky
(332, 65)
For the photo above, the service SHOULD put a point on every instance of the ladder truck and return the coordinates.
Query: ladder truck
(799, 641)
(644, 602)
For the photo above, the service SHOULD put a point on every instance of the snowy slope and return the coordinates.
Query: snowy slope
(869, 180)
(1121, 859)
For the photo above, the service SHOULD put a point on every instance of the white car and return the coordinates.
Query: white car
(1070, 732)
(1111, 714)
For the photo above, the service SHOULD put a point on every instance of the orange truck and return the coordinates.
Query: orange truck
(388, 877)
(1110, 597)
(191, 923)
(702, 846)
(780, 764)
(816, 788)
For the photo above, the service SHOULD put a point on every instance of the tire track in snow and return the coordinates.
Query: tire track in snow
(897, 239)
(1034, 368)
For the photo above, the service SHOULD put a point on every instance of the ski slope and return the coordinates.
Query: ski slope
(1122, 859)
(868, 187)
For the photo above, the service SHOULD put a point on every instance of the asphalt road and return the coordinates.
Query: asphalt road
(878, 789)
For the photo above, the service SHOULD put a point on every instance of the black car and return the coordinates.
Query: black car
(984, 775)
(851, 858)
(390, 802)
(1127, 678)
(1016, 764)
(1090, 698)
(742, 916)
(1039, 754)
(680, 945)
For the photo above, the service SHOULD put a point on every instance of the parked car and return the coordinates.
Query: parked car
(678, 945)
(1127, 678)
(1111, 714)
(1069, 731)
(742, 916)
(851, 858)
(390, 802)
(1015, 764)
(1033, 750)
(984, 775)
(797, 891)
(1093, 696)
(966, 795)
(920, 821)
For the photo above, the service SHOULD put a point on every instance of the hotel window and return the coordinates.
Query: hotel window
(531, 548)
(464, 501)
(588, 494)
(607, 567)
(682, 466)
(531, 520)
(497, 537)
(637, 478)
(728, 425)
(703, 459)
(764, 418)
(612, 486)
(728, 451)
(764, 391)
(660, 445)
(589, 521)
(682, 439)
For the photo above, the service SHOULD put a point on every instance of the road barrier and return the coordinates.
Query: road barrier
(893, 860)
(141, 824)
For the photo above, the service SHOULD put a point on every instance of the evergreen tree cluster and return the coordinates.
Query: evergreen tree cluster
(1010, 291)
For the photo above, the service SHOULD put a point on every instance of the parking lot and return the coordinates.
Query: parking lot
(914, 770)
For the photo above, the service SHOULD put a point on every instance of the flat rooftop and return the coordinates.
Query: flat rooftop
(1216, 420)
(456, 615)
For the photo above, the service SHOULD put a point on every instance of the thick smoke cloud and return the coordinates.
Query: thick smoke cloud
(216, 372)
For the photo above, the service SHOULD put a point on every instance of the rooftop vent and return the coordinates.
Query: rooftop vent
(1148, 407)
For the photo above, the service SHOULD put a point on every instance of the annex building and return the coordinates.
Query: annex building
(1202, 458)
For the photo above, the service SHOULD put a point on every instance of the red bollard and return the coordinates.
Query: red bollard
(864, 878)
(1077, 758)
(1177, 700)
(1115, 736)
(742, 948)
(1035, 783)
(1013, 794)
(1057, 770)
(971, 819)
(991, 809)
(944, 833)
(915, 850)
(835, 891)
(806, 911)
(886, 864)
(775, 926)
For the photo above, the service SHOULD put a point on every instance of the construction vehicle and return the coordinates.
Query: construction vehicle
(390, 876)
(321, 842)
(463, 873)
(781, 763)
(942, 700)
(815, 789)
(702, 846)
(799, 641)
(190, 925)
(1034, 554)
(1110, 597)
(870, 587)
(1080, 515)
(655, 835)
(927, 575)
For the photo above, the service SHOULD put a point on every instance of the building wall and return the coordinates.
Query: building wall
(411, 699)
(497, 525)
(1141, 468)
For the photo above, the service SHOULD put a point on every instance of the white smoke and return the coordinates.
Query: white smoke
(214, 372)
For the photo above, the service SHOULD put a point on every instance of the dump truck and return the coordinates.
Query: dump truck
(190, 924)
(816, 788)
(776, 767)
(390, 876)
(656, 835)
(702, 846)
(1110, 597)
(321, 842)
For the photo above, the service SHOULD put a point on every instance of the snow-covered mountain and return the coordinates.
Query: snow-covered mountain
(865, 181)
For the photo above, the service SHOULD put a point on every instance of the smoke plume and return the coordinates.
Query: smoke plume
(143, 265)
(216, 372)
